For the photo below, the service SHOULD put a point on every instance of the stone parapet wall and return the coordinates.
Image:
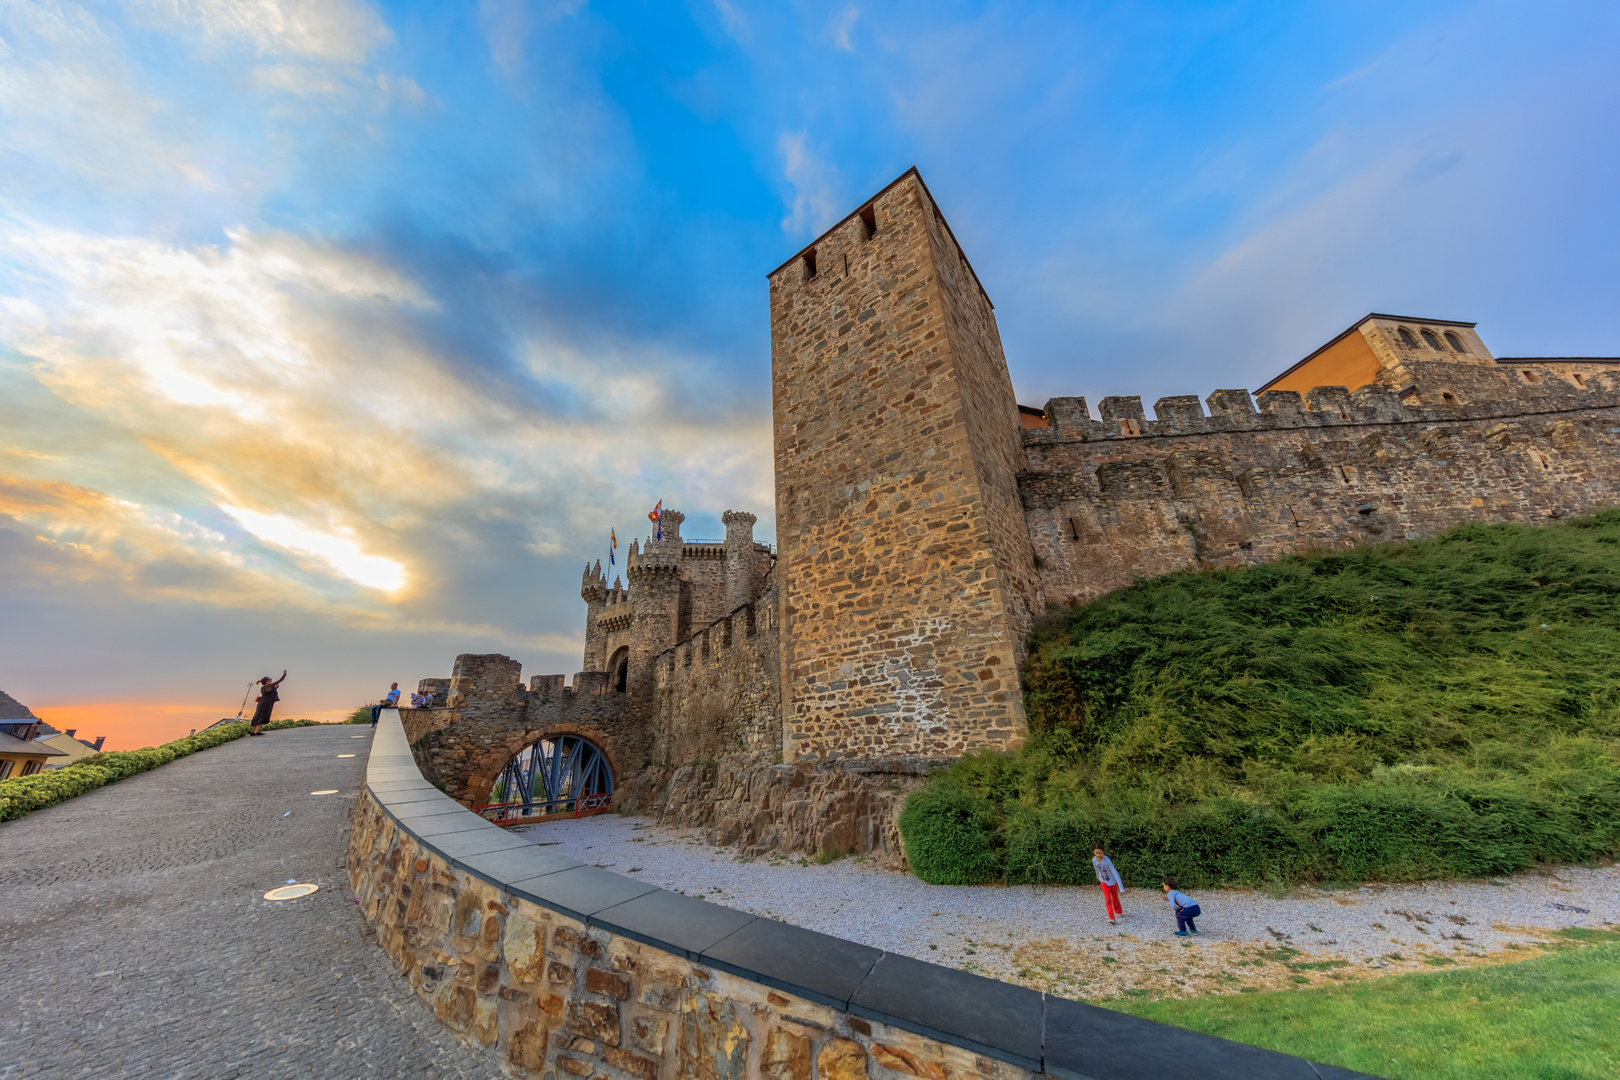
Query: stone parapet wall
(420, 722)
(563, 970)
(1480, 393)
(1108, 503)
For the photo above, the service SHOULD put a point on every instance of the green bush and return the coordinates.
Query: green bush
(1448, 707)
(1050, 849)
(950, 836)
(22, 794)
(361, 715)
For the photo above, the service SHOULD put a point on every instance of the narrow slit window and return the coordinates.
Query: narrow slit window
(868, 221)
(1580, 380)
(1531, 377)
(1074, 531)
(1448, 397)
(810, 264)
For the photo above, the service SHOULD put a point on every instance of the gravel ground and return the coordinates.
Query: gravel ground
(1058, 938)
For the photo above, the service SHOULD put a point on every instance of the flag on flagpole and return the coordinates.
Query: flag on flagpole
(613, 545)
(657, 517)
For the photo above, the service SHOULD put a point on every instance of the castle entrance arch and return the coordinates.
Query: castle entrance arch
(619, 669)
(555, 774)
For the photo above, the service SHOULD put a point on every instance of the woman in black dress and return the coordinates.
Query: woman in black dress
(267, 701)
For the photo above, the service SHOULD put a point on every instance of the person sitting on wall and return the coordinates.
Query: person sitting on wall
(390, 701)
(421, 701)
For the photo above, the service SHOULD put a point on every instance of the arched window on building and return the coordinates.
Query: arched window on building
(619, 669)
(1407, 339)
(1431, 341)
(1455, 342)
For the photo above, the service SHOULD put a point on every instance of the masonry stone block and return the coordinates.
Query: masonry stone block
(1121, 408)
(1281, 403)
(524, 949)
(712, 1042)
(1182, 409)
(1329, 399)
(841, 1059)
(1068, 416)
(1230, 403)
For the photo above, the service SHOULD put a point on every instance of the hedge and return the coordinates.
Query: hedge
(21, 794)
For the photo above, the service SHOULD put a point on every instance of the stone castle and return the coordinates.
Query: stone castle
(925, 519)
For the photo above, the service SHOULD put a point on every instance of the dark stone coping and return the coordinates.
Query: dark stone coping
(1067, 1039)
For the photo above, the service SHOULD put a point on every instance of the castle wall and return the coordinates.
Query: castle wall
(719, 691)
(924, 521)
(1105, 506)
(899, 566)
(491, 716)
(991, 426)
(703, 594)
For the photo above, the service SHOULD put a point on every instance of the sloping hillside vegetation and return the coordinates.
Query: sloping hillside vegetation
(1443, 708)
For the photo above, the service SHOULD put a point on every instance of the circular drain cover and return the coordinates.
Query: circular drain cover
(290, 892)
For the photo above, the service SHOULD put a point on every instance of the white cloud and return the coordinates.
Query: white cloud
(337, 549)
(732, 20)
(508, 25)
(341, 31)
(816, 203)
(288, 383)
(401, 87)
(841, 26)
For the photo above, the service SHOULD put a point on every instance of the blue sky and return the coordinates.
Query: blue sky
(335, 335)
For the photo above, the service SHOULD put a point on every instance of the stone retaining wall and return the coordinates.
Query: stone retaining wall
(568, 970)
(809, 807)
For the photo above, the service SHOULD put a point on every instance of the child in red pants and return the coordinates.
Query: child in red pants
(1108, 878)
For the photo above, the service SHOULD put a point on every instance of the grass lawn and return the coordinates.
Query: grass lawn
(1556, 1017)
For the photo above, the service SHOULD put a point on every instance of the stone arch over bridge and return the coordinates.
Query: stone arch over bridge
(490, 716)
(492, 766)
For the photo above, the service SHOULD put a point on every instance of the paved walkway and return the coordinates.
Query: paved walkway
(135, 940)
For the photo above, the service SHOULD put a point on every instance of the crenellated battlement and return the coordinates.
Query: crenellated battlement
(709, 644)
(1473, 395)
(1112, 500)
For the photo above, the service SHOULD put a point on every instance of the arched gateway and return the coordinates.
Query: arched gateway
(556, 774)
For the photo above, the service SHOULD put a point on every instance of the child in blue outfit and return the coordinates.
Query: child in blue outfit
(1186, 907)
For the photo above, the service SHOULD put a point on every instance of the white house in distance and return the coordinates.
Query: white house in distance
(20, 754)
(28, 744)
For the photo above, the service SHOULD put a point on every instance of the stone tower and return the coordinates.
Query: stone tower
(594, 591)
(909, 582)
(654, 577)
(742, 566)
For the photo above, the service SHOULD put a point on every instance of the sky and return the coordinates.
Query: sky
(335, 335)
